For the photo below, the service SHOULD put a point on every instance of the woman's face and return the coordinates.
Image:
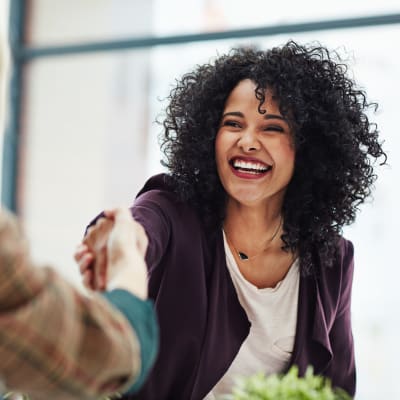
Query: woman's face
(254, 152)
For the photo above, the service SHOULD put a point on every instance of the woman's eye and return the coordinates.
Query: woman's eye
(233, 124)
(274, 128)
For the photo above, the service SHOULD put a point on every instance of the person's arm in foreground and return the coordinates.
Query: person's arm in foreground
(122, 275)
(57, 343)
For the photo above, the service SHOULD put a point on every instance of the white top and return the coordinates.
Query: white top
(273, 316)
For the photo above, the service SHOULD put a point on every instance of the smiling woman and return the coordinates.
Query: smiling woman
(269, 155)
(255, 156)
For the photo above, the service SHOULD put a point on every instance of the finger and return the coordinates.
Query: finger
(80, 250)
(97, 222)
(110, 213)
(97, 237)
(85, 262)
(90, 229)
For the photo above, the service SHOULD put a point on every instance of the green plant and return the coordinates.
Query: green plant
(15, 396)
(286, 387)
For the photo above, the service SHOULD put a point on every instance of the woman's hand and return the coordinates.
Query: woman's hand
(112, 254)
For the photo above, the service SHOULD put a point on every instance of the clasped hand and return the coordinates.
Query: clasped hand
(112, 254)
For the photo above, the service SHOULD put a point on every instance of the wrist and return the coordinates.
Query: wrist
(130, 275)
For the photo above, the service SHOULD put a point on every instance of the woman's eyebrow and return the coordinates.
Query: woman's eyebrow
(274, 116)
(241, 115)
(233, 113)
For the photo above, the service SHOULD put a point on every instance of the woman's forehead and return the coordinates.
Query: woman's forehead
(245, 93)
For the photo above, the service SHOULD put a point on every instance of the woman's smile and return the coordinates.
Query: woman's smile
(249, 167)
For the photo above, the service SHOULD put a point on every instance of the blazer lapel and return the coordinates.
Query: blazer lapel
(312, 344)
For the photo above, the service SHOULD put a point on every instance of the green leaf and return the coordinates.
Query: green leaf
(285, 387)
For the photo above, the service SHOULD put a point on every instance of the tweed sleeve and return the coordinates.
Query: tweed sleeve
(56, 342)
(141, 316)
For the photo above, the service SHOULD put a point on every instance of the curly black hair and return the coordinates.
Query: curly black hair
(336, 144)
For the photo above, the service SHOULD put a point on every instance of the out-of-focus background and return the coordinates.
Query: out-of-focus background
(87, 79)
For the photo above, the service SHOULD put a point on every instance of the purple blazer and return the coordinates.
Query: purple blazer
(202, 324)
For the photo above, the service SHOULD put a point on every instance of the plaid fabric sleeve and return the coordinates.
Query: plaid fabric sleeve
(142, 317)
(56, 343)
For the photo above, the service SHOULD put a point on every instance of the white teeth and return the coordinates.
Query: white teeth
(250, 166)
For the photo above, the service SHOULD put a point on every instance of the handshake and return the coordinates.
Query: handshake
(111, 256)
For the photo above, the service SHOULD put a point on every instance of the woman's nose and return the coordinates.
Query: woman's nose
(249, 141)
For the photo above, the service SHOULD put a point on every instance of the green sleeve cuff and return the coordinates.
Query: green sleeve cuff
(142, 317)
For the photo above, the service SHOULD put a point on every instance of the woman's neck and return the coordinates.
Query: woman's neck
(251, 226)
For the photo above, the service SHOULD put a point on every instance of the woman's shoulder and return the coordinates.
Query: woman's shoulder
(335, 281)
(159, 191)
(345, 250)
(343, 263)
(160, 196)
(159, 182)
